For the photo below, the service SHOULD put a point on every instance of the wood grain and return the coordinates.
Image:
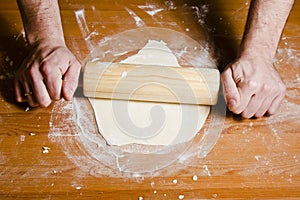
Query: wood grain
(256, 158)
(148, 83)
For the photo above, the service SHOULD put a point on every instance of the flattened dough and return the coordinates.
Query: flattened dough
(147, 123)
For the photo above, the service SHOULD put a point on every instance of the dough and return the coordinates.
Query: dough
(128, 122)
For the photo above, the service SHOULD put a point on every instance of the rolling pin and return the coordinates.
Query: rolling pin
(165, 84)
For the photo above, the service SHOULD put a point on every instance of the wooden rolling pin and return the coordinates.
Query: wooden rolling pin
(186, 85)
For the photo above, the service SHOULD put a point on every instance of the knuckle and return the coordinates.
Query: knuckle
(46, 67)
(266, 87)
(252, 84)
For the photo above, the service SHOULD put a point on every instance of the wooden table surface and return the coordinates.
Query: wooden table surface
(255, 158)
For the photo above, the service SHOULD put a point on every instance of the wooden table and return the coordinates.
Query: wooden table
(256, 158)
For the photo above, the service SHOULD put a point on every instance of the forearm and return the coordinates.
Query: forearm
(265, 24)
(41, 19)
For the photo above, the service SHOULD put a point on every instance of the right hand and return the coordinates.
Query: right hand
(252, 87)
(49, 72)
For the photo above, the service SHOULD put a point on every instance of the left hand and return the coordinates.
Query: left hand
(252, 87)
(50, 72)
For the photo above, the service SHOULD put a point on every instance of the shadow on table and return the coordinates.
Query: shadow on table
(220, 30)
(221, 33)
(12, 53)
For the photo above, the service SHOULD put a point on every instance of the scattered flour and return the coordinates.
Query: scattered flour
(195, 178)
(22, 138)
(69, 136)
(150, 9)
(174, 181)
(138, 21)
(207, 170)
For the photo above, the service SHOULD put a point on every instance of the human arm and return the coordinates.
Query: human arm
(50, 71)
(251, 85)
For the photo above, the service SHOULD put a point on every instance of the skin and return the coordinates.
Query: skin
(251, 85)
(50, 71)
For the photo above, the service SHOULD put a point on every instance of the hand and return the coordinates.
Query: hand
(252, 87)
(50, 72)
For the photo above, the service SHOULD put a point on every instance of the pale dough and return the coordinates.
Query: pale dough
(123, 122)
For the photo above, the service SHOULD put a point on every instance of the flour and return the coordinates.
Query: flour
(3, 158)
(90, 35)
(199, 12)
(73, 126)
(288, 55)
(170, 5)
(22, 138)
(85, 31)
(195, 178)
(150, 9)
(289, 110)
(80, 17)
(138, 21)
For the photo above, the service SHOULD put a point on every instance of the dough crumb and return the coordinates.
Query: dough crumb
(214, 195)
(174, 181)
(257, 157)
(181, 196)
(22, 138)
(45, 150)
(152, 183)
(195, 178)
